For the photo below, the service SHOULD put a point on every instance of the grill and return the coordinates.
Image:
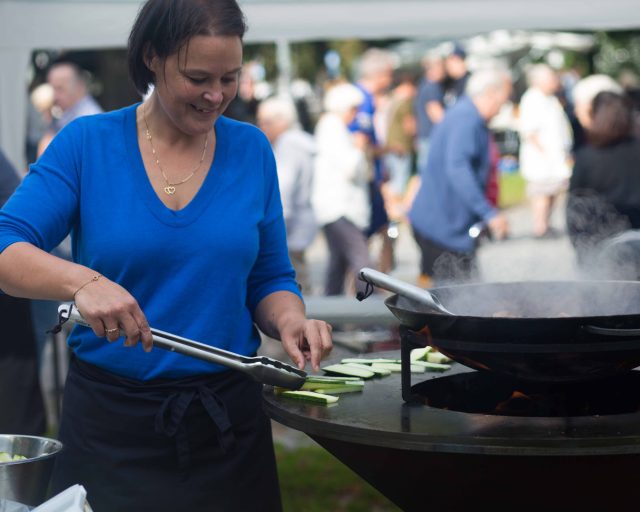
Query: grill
(466, 438)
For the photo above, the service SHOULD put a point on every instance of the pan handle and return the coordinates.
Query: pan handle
(610, 331)
(406, 290)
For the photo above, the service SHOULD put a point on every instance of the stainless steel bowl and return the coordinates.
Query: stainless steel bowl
(27, 481)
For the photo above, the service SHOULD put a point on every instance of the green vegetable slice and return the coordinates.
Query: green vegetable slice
(352, 371)
(397, 367)
(359, 360)
(340, 389)
(311, 396)
(381, 372)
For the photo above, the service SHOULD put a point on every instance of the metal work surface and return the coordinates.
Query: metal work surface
(378, 417)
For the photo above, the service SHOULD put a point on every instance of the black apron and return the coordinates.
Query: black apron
(197, 444)
(21, 404)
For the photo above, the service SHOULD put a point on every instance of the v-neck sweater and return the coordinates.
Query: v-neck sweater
(198, 272)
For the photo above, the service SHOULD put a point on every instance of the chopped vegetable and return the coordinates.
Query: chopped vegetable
(340, 389)
(433, 366)
(358, 360)
(437, 357)
(420, 354)
(311, 396)
(6, 457)
(331, 378)
(381, 372)
(343, 369)
(397, 367)
(314, 386)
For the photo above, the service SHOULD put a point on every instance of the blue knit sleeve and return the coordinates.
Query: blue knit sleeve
(272, 270)
(44, 207)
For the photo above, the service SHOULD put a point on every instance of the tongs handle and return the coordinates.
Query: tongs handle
(167, 341)
(262, 369)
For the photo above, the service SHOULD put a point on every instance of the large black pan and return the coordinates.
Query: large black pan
(537, 331)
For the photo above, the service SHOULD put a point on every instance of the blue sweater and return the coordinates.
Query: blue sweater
(198, 272)
(452, 192)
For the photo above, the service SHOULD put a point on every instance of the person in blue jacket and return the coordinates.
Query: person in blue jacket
(452, 195)
(176, 222)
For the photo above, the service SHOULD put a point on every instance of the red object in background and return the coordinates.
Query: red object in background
(493, 188)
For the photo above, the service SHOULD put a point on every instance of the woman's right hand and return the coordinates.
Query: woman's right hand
(110, 309)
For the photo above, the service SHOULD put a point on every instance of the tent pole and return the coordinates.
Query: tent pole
(283, 61)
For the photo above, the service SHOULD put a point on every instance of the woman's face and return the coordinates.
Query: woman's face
(195, 85)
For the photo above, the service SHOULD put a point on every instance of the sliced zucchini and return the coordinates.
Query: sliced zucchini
(380, 372)
(340, 389)
(311, 396)
(351, 371)
(331, 378)
(420, 354)
(314, 386)
(397, 367)
(359, 360)
(433, 366)
(437, 357)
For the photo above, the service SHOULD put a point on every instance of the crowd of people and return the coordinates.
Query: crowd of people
(433, 162)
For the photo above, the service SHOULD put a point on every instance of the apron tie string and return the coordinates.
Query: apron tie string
(170, 416)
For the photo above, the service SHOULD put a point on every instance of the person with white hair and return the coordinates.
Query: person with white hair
(585, 91)
(452, 194)
(375, 75)
(341, 188)
(546, 140)
(294, 151)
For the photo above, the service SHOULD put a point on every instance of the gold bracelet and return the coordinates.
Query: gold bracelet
(92, 280)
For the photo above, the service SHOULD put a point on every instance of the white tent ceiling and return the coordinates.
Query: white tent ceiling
(29, 24)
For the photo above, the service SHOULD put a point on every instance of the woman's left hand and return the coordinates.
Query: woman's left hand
(306, 340)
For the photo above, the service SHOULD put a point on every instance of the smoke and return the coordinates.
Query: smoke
(604, 245)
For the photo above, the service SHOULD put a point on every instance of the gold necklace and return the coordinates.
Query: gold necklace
(170, 188)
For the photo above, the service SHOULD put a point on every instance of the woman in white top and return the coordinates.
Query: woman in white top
(340, 188)
(546, 142)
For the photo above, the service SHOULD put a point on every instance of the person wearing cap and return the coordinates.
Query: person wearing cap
(457, 75)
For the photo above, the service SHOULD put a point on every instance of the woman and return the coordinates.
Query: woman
(604, 191)
(340, 195)
(176, 222)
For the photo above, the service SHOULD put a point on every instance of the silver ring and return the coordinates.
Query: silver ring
(111, 331)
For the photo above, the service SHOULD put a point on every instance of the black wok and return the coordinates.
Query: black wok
(536, 331)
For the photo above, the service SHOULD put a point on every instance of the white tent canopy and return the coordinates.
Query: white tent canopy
(26, 25)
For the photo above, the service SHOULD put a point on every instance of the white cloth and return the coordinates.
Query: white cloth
(340, 187)
(294, 151)
(544, 117)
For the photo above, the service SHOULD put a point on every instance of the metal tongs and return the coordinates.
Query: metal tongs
(263, 369)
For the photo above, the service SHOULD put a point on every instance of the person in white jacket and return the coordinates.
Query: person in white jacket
(546, 140)
(294, 150)
(340, 195)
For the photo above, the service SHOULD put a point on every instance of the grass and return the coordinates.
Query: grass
(312, 480)
(512, 189)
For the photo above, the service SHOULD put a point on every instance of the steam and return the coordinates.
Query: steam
(602, 239)
(551, 278)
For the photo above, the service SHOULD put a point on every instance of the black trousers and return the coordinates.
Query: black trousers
(443, 265)
(198, 444)
(21, 404)
(348, 253)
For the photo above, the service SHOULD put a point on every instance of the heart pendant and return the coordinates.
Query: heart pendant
(170, 189)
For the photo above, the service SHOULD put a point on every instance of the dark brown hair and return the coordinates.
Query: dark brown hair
(611, 119)
(163, 27)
